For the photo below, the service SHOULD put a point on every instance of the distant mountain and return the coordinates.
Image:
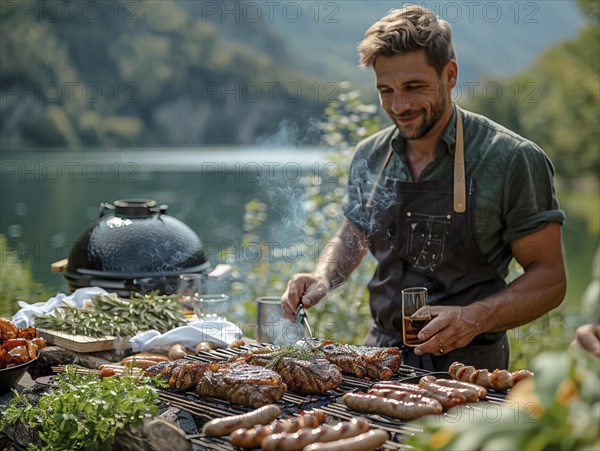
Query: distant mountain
(491, 39)
(155, 73)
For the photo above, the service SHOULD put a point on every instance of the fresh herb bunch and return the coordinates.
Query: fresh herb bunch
(85, 412)
(111, 315)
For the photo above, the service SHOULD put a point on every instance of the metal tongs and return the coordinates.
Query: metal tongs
(301, 318)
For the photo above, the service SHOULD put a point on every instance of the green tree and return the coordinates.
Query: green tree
(16, 282)
(143, 73)
(556, 102)
(344, 314)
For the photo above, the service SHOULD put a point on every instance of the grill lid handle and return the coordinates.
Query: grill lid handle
(133, 208)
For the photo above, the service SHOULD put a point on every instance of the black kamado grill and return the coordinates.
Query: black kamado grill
(134, 246)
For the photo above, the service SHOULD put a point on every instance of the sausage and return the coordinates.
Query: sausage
(365, 403)
(461, 372)
(177, 351)
(109, 370)
(236, 344)
(481, 391)
(226, 425)
(499, 380)
(434, 388)
(431, 383)
(305, 436)
(289, 442)
(399, 395)
(205, 346)
(519, 375)
(445, 399)
(411, 388)
(138, 362)
(312, 418)
(157, 357)
(344, 429)
(368, 441)
(252, 438)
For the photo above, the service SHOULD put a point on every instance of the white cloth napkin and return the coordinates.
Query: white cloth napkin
(25, 317)
(220, 332)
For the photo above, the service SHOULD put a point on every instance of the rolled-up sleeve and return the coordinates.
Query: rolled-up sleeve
(530, 201)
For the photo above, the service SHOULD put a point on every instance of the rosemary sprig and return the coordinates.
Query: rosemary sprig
(111, 315)
(293, 351)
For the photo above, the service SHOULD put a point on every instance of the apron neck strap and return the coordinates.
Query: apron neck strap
(460, 184)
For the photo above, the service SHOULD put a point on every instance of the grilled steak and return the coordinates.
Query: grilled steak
(308, 375)
(240, 383)
(188, 376)
(362, 361)
(163, 368)
(181, 374)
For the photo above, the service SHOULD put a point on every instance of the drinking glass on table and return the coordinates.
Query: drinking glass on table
(415, 314)
(211, 307)
(189, 288)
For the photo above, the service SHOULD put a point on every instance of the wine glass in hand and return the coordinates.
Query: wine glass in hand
(415, 314)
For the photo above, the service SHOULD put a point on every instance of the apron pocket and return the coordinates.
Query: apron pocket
(425, 240)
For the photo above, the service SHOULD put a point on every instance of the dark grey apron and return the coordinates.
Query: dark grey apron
(419, 239)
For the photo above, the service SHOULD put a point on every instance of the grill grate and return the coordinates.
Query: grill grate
(293, 403)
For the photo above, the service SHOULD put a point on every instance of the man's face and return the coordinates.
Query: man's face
(412, 93)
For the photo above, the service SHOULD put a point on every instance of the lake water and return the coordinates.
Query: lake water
(48, 199)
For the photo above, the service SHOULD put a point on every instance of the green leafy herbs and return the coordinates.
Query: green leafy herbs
(85, 412)
(111, 315)
(295, 352)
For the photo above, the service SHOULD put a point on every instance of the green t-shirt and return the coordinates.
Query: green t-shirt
(513, 179)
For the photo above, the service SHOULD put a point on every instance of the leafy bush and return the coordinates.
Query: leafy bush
(85, 413)
(344, 314)
(16, 281)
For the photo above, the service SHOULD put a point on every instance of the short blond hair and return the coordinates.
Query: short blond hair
(406, 30)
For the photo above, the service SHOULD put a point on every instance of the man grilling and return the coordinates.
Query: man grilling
(444, 199)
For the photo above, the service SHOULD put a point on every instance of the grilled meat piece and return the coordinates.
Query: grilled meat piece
(182, 374)
(307, 375)
(499, 380)
(362, 361)
(164, 368)
(240, 383)
(189, 375)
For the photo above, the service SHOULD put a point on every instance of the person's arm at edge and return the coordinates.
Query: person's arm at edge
(340, 256)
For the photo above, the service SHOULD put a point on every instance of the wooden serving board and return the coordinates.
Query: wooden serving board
(81, 343)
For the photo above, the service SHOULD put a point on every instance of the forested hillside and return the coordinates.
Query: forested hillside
(556, 102)
(490, 38)
(146, 73)
(143, 73)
